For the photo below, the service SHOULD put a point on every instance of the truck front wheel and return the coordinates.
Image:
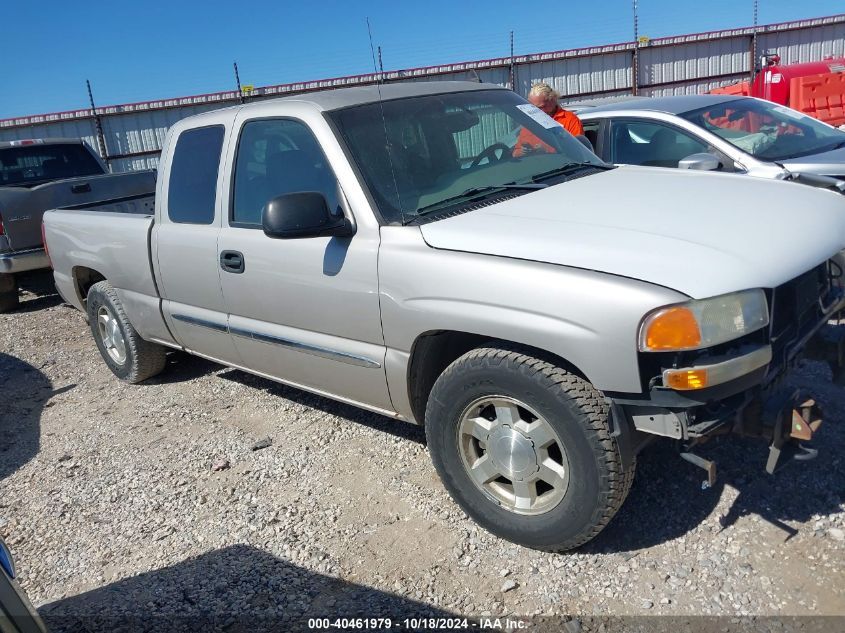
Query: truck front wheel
(130, 358)
(524, 447)
(9, 299)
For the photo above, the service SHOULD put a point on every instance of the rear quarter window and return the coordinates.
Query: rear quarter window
(192, 189)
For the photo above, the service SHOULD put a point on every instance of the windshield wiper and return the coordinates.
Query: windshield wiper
(474, 193)
(568, 167)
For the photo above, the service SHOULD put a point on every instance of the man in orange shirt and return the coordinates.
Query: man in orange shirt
(546, 98)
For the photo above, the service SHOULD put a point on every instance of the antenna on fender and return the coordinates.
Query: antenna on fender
(387, 143)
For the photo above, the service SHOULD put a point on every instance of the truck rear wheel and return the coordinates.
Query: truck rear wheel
(524, 447)
(131, 358)
(9, 299)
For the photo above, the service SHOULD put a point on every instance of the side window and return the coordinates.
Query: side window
(591, 131)
(193, 175)
(652, 144)
(275, 157)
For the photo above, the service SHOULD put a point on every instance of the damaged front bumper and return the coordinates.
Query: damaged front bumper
(751, 396)
(785, 418)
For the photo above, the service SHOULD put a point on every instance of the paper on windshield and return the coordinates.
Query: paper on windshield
(753, 143)
(538, 115)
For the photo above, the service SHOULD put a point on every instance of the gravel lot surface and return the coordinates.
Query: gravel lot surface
(149, 502)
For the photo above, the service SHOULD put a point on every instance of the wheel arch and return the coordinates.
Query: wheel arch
(83, 278)
(433, 351)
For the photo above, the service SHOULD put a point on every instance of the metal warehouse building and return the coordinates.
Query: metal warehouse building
(132, 134)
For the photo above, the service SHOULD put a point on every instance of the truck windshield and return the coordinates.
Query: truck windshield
(29, 165)
(432, 153)
(766, 130)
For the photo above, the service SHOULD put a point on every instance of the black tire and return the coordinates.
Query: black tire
(578, 414)
(9, 299)
(142, 359)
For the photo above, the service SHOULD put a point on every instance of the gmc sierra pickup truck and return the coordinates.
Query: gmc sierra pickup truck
(41, 174)
(543, 316)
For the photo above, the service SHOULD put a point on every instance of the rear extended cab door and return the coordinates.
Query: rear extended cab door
(184, 238)
(304, 311)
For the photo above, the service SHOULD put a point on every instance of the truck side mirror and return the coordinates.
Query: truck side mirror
(700, 162)
(303, 214)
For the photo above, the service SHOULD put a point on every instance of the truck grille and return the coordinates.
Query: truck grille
(796, 309)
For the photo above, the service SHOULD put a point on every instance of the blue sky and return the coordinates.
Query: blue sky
(136, 51)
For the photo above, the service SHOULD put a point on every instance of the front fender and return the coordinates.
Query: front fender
(590, 319)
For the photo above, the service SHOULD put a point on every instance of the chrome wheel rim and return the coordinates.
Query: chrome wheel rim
(513, 455)
(111, 335)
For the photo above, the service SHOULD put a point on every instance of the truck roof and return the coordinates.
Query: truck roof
(359, 95)
(337, 98)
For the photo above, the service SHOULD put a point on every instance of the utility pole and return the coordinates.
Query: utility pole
(238, 82)
(98, 125)
(380, 64)
(635, 63)
(512, 67)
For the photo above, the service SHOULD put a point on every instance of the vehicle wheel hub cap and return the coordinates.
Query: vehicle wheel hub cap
(111, 335)
(513, 455)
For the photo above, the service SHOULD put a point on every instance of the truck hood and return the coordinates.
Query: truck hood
(701, 234)
(825, 164)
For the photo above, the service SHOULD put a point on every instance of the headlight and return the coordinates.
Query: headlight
(705, 322)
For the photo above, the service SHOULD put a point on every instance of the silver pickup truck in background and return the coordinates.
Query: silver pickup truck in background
(544, 316)
(36, 175)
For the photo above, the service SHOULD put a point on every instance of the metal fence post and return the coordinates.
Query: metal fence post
(511, 72)
(635, 61)
(753, 66)
(101, 138)
(238, 83)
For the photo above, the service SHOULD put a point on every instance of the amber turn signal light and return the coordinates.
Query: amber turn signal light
(671, 329)
(686, 379)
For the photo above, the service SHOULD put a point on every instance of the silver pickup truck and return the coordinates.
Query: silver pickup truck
(543, 316)
(41, 174)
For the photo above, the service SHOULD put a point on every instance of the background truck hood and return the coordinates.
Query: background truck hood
(826, 164)
(700, 234)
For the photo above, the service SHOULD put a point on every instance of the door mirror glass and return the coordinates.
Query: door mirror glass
(303, 214)
(700, 162)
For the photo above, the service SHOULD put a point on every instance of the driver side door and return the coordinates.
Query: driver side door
(304, 311)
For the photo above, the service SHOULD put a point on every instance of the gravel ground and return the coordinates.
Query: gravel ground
(149, 502)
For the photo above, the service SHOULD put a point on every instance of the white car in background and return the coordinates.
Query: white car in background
(717, 133)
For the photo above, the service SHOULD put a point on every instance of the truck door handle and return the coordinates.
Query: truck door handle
(232, 261)
(81, 188)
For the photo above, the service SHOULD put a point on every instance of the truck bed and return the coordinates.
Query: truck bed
(120, 253)
(142, 204)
